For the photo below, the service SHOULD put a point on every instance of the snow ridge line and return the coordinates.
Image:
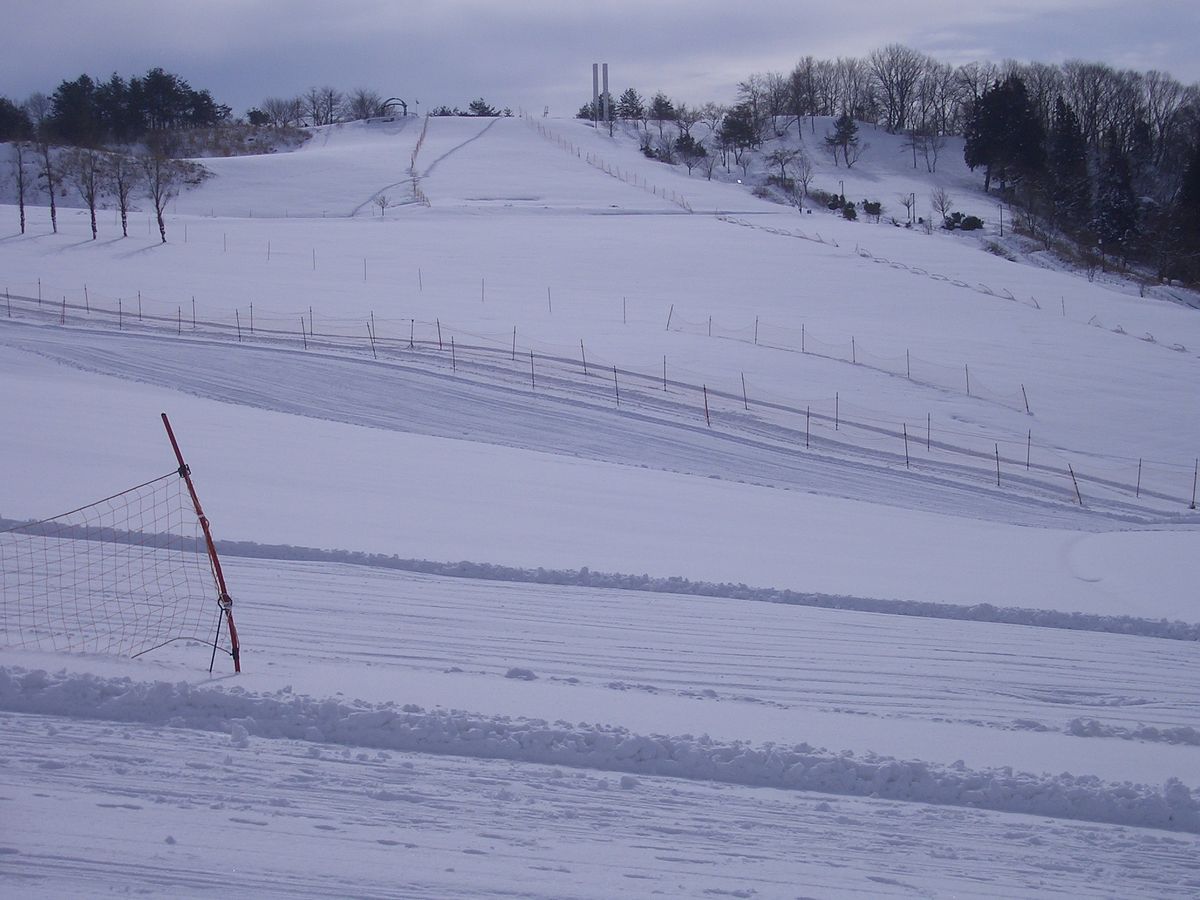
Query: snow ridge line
(981, 612)
(413, 729)
(585, 577)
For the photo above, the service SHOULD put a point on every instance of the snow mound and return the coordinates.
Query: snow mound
(413, 729)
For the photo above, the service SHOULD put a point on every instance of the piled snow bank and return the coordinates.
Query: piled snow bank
(413, 729)
(1182, 734)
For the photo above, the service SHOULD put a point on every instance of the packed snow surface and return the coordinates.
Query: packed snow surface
(597, 530)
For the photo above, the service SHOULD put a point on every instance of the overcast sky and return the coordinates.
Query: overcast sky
(528, 54)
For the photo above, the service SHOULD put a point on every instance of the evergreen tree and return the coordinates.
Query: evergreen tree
(1004, 134)
(1116, 218)
(738, 130)
(1187, 204)
(14, 121)
(1068, 181)
(480, 107)
(74, 117)
(631, 106)
(843, 137)
(661, 110)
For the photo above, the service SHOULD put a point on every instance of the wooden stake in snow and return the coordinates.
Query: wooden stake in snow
(252, 318)
(237, 319)
(967, 369)
(62, 317)
(514, 346)
(616, 388)
(453, 359)
(624, 313)
(178, 318)
(87, 304)
(707, 420)
(1028, 448)
(303, 336)
(412, 329)
(756, 331)
(997, 465)
(481, 290)
(314, 255)
(669, 314)
(371, 338)
(364, 268)
(1026, 396)
(583, 354)
(532, 380)
(420, 283)
(549, 305)
(802, 337)
(1075, 482)
(837, 411)
(120, 320)
(1195, 475)
(268, 251)
(139, 301)
(906, 461)
(439, 329)
(907, 365)
(928, 432)
(664, 374)
(853, 353)
(745, 402)
(1138, 490)
(807, 425)
(194, 312)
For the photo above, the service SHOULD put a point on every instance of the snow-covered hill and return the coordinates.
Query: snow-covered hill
(555, 360)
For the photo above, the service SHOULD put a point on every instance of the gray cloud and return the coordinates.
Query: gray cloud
(539, 52)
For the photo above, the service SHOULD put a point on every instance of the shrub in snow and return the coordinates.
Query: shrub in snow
(849, 212)
(522, 674)
(966, 223)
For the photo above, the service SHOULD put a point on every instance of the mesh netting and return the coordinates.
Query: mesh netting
(125, 575)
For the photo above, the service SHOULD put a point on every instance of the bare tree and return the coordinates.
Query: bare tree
(778, 96)
(20, 176)
(908, 201)
(123, 174)
(687, 116)
(48, 172)
(383, 203)
(283, 111)
(975, 78)
(803, 172)
(897, 70)
(708, 163)
(712, 114)
(322, 104)
(84, 168)
(664, 150)
(942, 202)
(164, 178)
(782, 157)
(38, 108)
(363, 104)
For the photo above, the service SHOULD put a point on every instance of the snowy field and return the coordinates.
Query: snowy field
(599, 531)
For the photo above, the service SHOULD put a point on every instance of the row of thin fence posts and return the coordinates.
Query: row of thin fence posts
(307, 334)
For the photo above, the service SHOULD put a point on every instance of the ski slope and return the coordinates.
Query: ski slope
(504, 600)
